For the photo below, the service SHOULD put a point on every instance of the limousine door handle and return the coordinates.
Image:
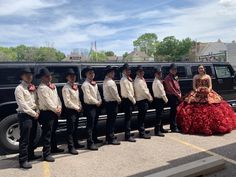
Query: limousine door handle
(220, 81)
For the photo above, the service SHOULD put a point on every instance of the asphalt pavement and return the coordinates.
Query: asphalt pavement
(131, 159)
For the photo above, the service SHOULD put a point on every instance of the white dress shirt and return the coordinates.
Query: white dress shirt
(26, 100)
(48, 98)
(110, 91)
(91, 93)
(71, 97)
(127, 89)
(141, 90)
(158, 90)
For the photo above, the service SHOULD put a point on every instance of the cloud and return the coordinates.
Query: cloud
(26, 7)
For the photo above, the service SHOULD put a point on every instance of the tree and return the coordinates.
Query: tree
(147, 43)
(98, 56)
(173, 49)
(125, 55)
(109, 53)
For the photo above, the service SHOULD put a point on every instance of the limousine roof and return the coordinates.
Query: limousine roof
(106, 63)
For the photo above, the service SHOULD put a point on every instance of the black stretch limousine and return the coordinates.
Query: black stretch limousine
(223, 79)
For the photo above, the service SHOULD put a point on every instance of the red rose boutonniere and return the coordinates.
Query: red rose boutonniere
(130, 79)
(74, 87)
(93, 83)
(31, 87)
(51, 86)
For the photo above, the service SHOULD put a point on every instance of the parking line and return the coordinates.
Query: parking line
(202, 149)
(46, 169)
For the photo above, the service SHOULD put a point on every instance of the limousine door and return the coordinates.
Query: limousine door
(225, 81)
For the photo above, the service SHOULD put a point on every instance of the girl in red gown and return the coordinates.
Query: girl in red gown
(203, 111)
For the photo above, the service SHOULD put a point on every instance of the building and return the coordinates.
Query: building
(138, 56)
(215, 52)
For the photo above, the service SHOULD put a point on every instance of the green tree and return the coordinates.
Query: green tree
(172, 49)
(98, 56)
(109, 53)
(147, 43)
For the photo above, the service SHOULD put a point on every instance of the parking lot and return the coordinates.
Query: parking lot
(132, 159)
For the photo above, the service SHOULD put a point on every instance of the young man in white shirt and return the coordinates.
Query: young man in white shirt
(142, 97)
(92, 101)
(28, 113)
(160, 100)
(50, 110)
(112, 99)
(73, 108)
(128, 100)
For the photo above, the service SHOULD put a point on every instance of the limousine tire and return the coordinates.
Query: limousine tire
(10, 134)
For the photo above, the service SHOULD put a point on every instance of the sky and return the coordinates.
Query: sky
(113, 24)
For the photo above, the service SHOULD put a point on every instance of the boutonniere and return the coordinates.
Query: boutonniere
(130, 79)
(74, 87)
(93, 83)
(31, 87)
(176, 78)
(51, 86)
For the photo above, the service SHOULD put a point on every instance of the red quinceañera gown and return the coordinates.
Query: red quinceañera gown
(204, 112)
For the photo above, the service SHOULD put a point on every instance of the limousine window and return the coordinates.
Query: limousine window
(222, 71)
(59, 73)
(100, 74)
(11, 76)
(194, 70)
(181, 71)
(149, 72)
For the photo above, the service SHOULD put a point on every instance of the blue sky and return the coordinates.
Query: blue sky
(114, 24)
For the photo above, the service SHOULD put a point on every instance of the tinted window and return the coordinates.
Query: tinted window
(149, 72)
(222, 71)
(58, 75)
(181, 71)
(10, 75)
(99, 74)
(194, 70)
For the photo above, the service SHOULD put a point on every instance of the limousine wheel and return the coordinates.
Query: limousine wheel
(10, 134)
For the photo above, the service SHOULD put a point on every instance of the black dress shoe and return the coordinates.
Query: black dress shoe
(97, 141)
(79, 146)
(25, 165)
(175, 130)
(34, 157)
(49, 158)
(92, 147)
(73, 151)
(159, 133)
(57, 150)
(145, 136)
(114, 142)
(130, 139)
(164, 131)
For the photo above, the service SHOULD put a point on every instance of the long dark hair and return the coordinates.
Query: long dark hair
(203, 68)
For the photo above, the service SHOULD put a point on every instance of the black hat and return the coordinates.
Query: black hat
(173, 66)
(85, 70)
(70, 71)
(25, 71)
(139, 68)
(109, 68)
(157, 70)
(43, 72)
(124, 67)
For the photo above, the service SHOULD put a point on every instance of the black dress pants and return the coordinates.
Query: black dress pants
(72, 127)
(142, 110)
(47, 119)
(159, 106)
(127, 107)
(28, 131)
(111, 109)
(173, 103)
(92, 113)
